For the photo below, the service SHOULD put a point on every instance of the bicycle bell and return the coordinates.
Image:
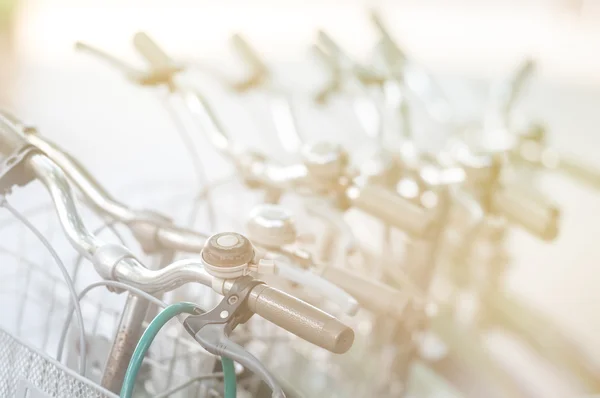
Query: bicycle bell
(227, 255)
(271, 226)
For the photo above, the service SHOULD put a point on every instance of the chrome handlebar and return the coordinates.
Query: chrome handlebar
(116, 262)
(154, 231)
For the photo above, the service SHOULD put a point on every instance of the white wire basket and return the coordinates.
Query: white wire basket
(25, 372)
(36, 301)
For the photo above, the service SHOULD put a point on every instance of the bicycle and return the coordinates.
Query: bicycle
(114, 262)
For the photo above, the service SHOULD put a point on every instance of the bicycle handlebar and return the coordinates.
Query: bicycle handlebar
(116, 262)
(152, 232)
(152, 229)
(259, 170)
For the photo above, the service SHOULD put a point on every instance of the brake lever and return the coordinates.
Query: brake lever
(212, 329)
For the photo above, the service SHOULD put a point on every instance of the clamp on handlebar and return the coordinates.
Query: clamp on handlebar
(212, 329)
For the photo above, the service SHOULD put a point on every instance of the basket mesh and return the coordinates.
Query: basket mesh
(27, 373)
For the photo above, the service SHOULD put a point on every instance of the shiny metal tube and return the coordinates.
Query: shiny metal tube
(174, 275)
(199, 108)
(88, 185)
(290, 313)
(148, 227)
(111, 60)
(57, 185)
(248, 54)
(286, 311)
(256, 169)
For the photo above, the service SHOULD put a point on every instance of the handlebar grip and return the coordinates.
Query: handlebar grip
(371, 295)
(301, 319)
(393, 209)
(148, 48)
(528, 209)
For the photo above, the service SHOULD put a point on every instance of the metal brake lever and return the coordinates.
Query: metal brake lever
(212, 329)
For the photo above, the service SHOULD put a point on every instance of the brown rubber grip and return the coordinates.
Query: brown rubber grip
(301, 319)
(393, 209)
